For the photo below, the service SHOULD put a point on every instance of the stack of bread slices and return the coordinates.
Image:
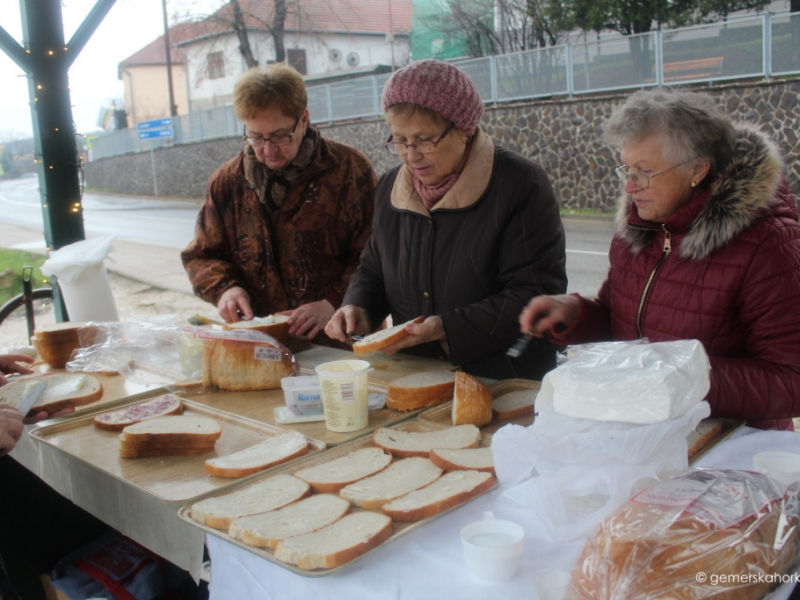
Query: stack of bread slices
(55, 343)
(169, 436)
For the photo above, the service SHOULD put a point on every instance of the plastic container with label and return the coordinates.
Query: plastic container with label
(344, 394)
(303, 395)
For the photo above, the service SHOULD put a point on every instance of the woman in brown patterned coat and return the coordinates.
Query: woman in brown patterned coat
(285, 221)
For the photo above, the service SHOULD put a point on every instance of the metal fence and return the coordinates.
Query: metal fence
(766, 45)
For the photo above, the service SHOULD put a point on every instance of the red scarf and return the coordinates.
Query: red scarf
(432, 194)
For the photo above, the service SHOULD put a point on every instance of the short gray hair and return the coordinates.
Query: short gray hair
(690, 125)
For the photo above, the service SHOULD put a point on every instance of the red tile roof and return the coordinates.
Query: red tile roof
(155, 53)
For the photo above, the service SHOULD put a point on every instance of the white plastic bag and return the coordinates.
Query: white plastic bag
(634, 382)
(571, 473)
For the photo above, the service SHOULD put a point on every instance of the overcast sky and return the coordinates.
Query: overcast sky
(129, 26)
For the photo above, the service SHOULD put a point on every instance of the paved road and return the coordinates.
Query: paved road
(149, 224)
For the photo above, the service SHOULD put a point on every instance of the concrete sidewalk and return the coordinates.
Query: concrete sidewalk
(155, 265)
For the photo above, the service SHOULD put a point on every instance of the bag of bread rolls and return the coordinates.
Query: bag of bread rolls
(709, 533)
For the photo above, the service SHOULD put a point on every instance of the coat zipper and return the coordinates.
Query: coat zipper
(646, 291)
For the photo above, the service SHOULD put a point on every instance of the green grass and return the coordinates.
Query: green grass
(16, 260)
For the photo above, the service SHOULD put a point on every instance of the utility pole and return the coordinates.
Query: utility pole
(173, 109)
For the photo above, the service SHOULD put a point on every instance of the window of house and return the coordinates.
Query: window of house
(216, 65)
(296, 57)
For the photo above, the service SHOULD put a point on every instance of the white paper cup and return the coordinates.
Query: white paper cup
(551, 584)
(343, 384)
(783, 467)
(492, 549)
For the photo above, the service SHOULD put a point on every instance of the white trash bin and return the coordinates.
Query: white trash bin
(83, 279)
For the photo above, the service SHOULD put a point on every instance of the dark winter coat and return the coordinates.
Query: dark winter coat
(723, 269)
(484, 250)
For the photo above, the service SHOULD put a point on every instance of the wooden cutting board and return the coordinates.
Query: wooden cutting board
(385, 369)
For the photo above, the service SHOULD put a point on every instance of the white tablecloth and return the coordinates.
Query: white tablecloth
(428, 562)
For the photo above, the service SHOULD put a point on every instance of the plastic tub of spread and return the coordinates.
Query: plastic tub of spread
(303, 395)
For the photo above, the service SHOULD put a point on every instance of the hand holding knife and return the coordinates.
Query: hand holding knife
(33, 393)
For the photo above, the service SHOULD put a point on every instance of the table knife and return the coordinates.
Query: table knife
(30, 397)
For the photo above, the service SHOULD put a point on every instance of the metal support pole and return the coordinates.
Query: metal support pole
(27, 294)
(767, 48)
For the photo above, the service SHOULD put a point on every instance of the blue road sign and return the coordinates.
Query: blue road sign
(155, 124)
(156, 133)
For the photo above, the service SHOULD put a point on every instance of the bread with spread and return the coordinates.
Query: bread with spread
(264, 455)
(414, 443)
(383, 337)
(333, 475)
(62, 391)
(276, 326)
(160, 406)
(400, 478)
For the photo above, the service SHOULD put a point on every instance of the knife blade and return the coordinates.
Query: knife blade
(31, 396)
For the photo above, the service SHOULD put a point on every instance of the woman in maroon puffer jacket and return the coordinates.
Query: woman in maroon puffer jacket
(707, 248)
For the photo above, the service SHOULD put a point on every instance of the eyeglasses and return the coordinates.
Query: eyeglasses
(640, 179)
(283, 139)
(421, 146)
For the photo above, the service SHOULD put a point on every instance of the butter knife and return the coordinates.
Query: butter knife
(30, 397)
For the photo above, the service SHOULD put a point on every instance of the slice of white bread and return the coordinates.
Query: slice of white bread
(174, 428)
(383, 337)
(334, 475)
(413, 443)
(263, 496)
(402, 477)
(467, 459)
(265, 530)
(450, 490)
(420, 389)
(158, 443)
(163, 451)
(241, 366)
(336, 544)
(62, 390)
(273, 451)
(275, 325)
(160, 406)
(513, 404)
(472, 401)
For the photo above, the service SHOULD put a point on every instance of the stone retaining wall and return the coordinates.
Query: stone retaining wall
(563, 135)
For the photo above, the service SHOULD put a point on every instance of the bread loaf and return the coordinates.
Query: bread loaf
(263, 496)
(472, 401)
(160, 406)
(400, 478)
(276, 326)
(450, 490)
(62, 391)
(240, 366)
(336, 474)
(513, 404)
(412, 443)
(467, 459)
(269, 453)
(384, 337)
(420, 389)
(336, 544)
(732, 526)
(265, 530)
(55, 342)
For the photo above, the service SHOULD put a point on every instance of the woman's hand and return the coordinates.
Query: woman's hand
(9, 363)
(349, 319)
(41, 416)
(10, 428)
(309, 319)
(431, 329)
(545, 315)
(234, 302)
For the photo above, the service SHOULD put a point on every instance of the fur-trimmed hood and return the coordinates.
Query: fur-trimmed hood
(744, 192)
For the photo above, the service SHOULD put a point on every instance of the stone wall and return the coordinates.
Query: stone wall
(563, 135)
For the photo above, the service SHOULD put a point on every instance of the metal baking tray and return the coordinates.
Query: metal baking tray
(174, 479)
(323, 457)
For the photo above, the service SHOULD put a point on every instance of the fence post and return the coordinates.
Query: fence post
(570, 72)
(376, 97)
(767, 50)
(493, 77)
(330, 102)
(659, 58)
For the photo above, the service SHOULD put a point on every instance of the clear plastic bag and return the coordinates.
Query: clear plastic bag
(709, 533)
(633, 382)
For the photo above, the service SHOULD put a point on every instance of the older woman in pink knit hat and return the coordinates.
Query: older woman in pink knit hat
(464, 233)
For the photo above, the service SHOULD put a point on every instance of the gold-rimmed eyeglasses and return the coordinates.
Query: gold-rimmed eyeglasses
(421, 146)
(283, 139)
(639, 178)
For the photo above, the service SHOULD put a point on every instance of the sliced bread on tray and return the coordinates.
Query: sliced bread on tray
(450, 490)
(336, 474)
(466, 459)
(273, 451)
(413, 443)
(383, 337)
(420, 389)
(163, 451)
(265, 530)
(62, 390)
(400, 478)
(338, 543)
(266, 495)
(174, 428)
(160, 406)
(472, 401)
(514, 404)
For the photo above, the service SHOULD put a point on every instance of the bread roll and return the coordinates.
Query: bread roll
(472, 401)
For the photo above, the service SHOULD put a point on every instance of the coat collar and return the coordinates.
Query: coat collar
(466, 191)
(743, 193)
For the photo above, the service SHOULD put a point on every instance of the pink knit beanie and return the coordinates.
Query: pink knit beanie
(440, 86)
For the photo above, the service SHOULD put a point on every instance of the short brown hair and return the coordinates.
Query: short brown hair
(277, 85)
